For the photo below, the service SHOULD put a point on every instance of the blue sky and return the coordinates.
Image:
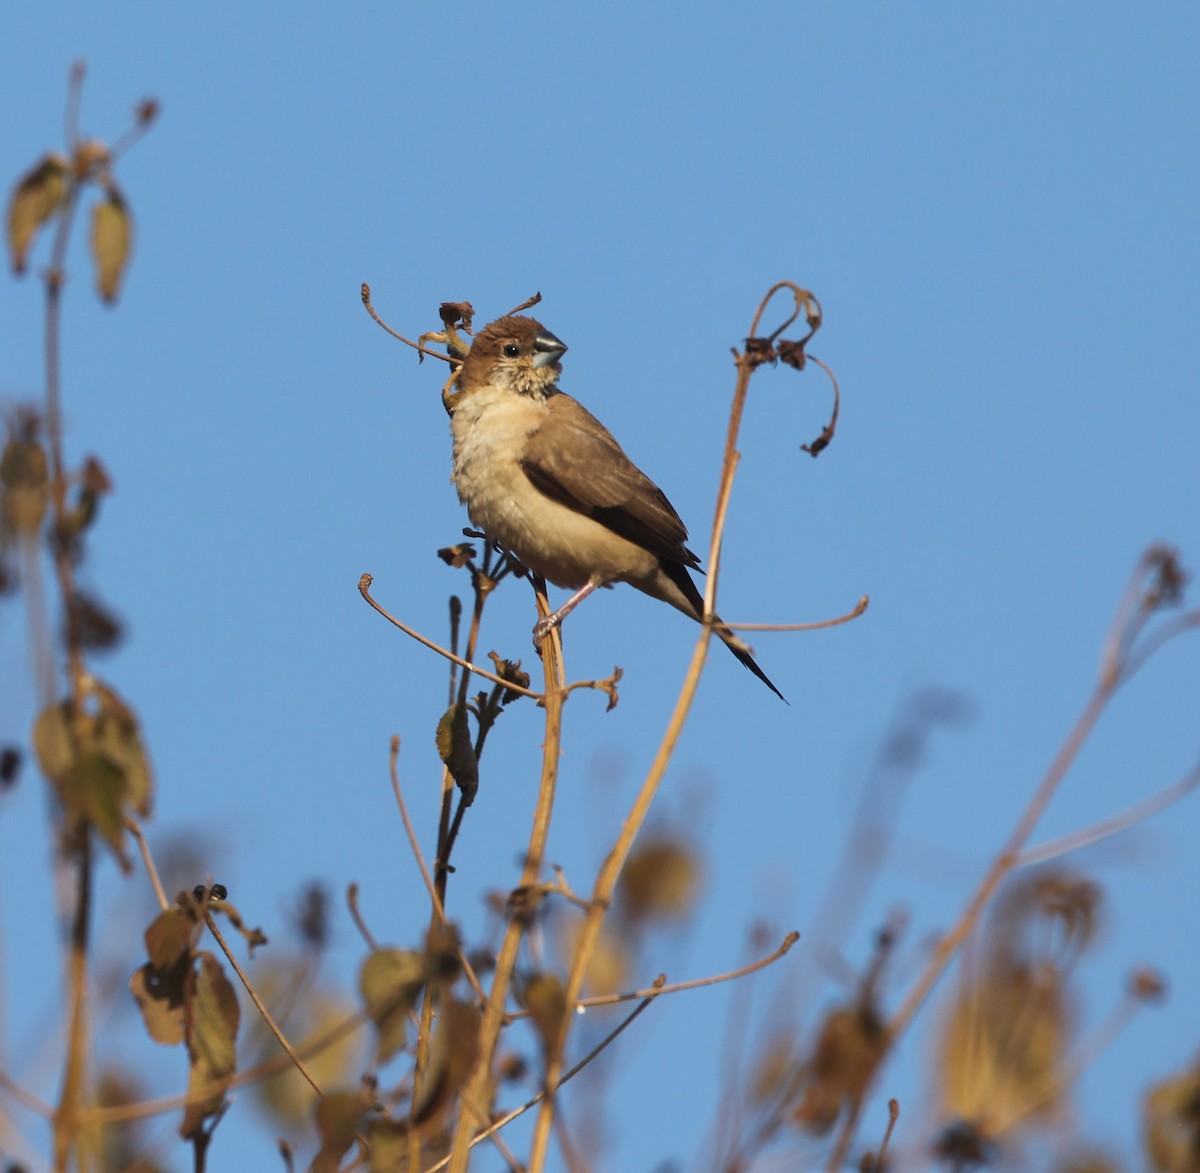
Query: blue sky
(997, 208)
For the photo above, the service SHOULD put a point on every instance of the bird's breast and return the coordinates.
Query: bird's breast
(565, 546)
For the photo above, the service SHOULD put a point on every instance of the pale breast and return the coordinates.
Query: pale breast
(564, 546)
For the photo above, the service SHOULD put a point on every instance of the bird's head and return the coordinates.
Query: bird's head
(514, 354)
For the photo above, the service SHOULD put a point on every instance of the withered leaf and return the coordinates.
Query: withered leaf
(451, 1057)
(212, 1021)
(387, 1142)
(169, 936)
(93, 788)
(25, 480)
(112, 238)
(338, 1115)
(52, 742)
(546, 1000)
(660, 880)
(390, 981)
(457, 556)
(457, 752)
(38, 195)
(160, 995)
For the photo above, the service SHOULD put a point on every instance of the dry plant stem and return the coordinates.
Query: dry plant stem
(893, 1116)
(364, 587)
(120, 1113)
(135, 829)
(1050, 1086)
(859, 608)
(1113, 825)
(533, 1102)
(357, 917)
(67, 1115)
(366, 300)
(1004, 862)
(610, 871)
(447, 836)
(27, 1099)
(438, 908)
(506, 959)
(496, 1139)
(297, 1062)
(658, 989)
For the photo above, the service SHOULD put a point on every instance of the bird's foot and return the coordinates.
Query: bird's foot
(543, 627)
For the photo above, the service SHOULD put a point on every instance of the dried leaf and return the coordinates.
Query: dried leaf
(93, 788)
(213, 1015)
(161, 996)
(120, 738)
(390, 981)
(848, 1049)
(457, 752)
(546, 1000)
(37, 196)
(660, 880)
(387, 1144)
(1171, 1123)
(451, 1057)
(169, 937)
(52, 742)
(338, 1116)
(112, 239)
(25, 481)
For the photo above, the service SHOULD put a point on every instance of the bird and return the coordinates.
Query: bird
(545, 480)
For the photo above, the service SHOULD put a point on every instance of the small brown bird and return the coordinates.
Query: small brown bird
(543, 478)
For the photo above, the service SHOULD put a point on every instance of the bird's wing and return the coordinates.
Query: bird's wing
(574, 459)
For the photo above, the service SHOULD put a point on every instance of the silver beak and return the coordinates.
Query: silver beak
(547, 349)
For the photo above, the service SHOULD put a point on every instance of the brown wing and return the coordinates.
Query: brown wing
(574, 459)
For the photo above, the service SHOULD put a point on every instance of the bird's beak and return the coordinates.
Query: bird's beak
(547, 349)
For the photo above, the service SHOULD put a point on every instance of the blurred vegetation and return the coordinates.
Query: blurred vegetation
(445, 1040)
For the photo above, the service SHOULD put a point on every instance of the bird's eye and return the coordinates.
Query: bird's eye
(512, 350)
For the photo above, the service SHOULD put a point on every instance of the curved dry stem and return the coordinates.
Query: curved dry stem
(506, 959)
(26, 1099)
(533, 1102)
(859, 608)
(135, 829)
(357, 917)
(610, 871)
(414, 844)
(1120, 660)
(366, 300)
(659, 988)
(1114, 824)
(827, 432)
(265, 1014)
(120, 1113)
(364, 585)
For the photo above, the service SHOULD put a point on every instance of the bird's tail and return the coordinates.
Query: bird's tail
(679, 576)
(741, 650)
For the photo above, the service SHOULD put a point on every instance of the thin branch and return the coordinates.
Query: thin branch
(28, 1099)
(859, 608)
(366, 300)
(357, 917)
(439, 908)
(509, 1117)
(258, 1005)
(364, 585)
(1114, 824)
(659, 988)
(506, 959)
(610, 871)
(135, 829)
